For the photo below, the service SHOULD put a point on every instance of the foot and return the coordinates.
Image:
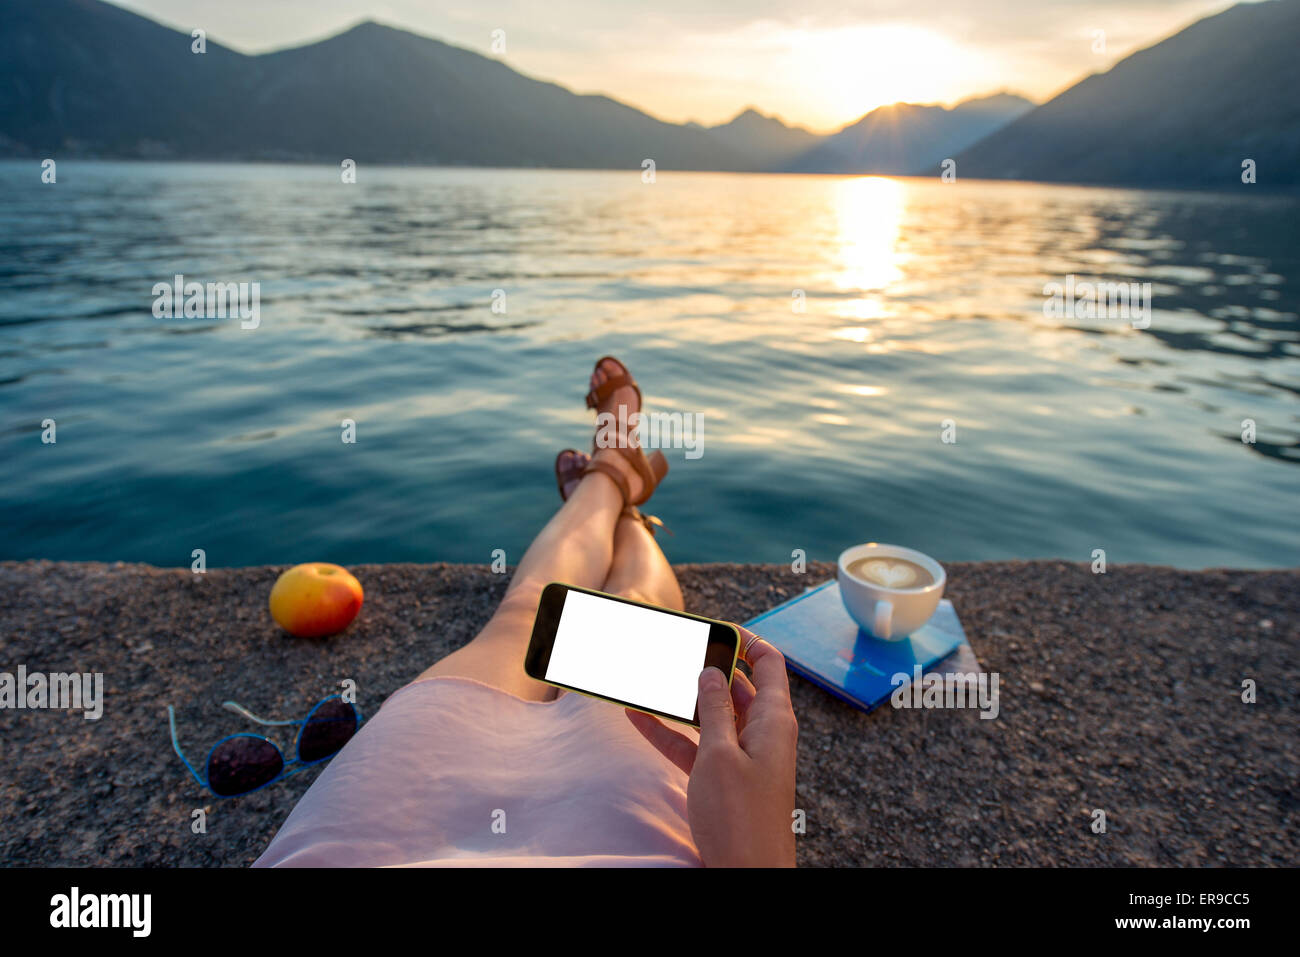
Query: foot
(570, 468)
(627, 397)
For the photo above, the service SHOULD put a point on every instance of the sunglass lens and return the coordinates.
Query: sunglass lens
(242, 764)
(329, 727)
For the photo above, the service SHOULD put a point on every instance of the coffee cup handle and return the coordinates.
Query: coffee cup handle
(884, 618)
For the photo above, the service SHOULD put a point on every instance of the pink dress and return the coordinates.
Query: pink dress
(452, 771)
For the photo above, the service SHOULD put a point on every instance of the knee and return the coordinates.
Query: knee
(663, 601)
(635, 594)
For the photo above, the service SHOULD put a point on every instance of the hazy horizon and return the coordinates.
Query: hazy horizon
(813, 65)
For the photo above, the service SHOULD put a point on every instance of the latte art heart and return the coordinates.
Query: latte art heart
(891, 571)
(890, 574)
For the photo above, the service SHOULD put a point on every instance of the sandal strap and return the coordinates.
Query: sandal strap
(614, 473)
(636, 458)
(651, 522)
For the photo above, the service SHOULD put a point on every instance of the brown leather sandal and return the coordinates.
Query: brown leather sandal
(563, 476)
(649, 468)
(652, 468)
(599, 394)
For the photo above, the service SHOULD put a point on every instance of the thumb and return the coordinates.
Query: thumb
(717, 717)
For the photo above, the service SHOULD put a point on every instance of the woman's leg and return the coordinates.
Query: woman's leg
(639, 569)
(576, 546)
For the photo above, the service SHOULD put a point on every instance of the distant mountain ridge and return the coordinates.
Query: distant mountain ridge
(1186, 111)
(86, 78)
(83, 77)
(765, 139)
(904, 138)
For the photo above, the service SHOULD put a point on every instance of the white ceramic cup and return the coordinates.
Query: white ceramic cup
(890, 614)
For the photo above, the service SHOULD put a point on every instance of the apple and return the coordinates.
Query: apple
(315, 599)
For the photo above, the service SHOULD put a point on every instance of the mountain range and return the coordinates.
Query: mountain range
(906, 138)
(1186, 111)
(87, 78)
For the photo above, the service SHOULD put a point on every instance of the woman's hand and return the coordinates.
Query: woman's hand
(740, 798)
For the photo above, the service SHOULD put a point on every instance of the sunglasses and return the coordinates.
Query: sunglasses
(243, 763)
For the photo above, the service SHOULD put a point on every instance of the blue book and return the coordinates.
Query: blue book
(823, 644)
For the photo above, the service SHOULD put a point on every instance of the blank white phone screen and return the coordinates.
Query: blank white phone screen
(644, 657)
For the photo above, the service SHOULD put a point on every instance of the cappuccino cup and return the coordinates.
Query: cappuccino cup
(890, 591)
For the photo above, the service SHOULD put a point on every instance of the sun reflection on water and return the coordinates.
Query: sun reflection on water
(870, 211)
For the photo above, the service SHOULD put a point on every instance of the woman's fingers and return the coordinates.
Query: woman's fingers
(719, 705)
(742, 692)
(717, 713)
(673, 745)
(768, 666)
(772, 710)
(742, 696)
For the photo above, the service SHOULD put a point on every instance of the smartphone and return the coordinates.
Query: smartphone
(640, 656)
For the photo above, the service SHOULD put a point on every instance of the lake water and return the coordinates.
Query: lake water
(922, 304)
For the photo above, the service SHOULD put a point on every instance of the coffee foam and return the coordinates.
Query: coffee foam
(891, 572)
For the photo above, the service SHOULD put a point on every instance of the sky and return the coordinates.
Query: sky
(816, 63)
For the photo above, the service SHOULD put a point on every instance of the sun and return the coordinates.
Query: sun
(851, 71)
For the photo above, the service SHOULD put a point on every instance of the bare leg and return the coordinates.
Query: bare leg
(576, 546)
(640, 570)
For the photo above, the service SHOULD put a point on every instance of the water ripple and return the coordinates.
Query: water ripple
(829, 329)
